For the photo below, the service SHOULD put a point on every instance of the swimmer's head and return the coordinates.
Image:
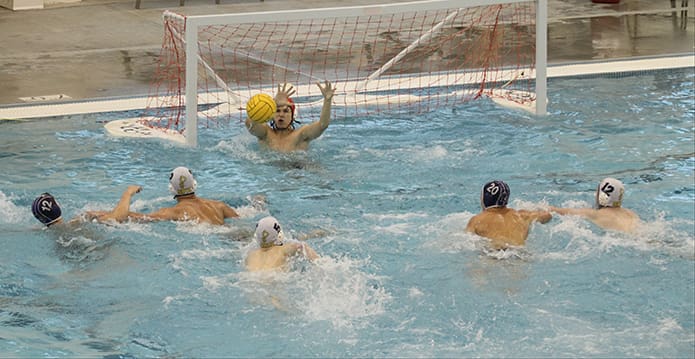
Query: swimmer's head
(494, 194)
(610, 193)
(269, 233)
(46, 209)
(182, 182)
(285, 107)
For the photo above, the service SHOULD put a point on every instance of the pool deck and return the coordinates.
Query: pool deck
(97, 49)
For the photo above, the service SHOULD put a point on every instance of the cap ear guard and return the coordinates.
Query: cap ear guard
(292, 106)
(494, 194)
(46, 209)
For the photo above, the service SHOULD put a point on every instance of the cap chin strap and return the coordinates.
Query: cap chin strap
(278, 242)
(493, 206)
(290, 127)
(184, 195)
(54, 221)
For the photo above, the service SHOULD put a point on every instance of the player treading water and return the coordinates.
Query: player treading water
(280, 134)
(47, 210)
(274, 251)
(505, 227)
(189, 207)
(609, 213)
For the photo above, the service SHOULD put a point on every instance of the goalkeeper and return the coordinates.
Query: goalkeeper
(280, 134)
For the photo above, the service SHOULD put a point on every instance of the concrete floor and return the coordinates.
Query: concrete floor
(107, 48)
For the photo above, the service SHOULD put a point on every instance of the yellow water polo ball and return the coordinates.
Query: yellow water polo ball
(260, 108)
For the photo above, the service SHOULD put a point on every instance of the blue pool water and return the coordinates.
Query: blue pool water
(398, 277)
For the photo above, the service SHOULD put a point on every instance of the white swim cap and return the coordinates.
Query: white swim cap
(182, 182)
(269, 233)
(609, 193)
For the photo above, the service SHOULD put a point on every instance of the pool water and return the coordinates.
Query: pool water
(387, 199)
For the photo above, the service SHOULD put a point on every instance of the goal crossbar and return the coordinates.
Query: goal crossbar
(343, 11)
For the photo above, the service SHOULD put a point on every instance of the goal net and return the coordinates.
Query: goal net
(409, 57)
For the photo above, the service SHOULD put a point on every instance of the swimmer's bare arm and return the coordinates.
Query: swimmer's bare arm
(538, 216)
(162, 214)
(122, 210)
(293, 248)
(313, 234)
(309, 252)
(119, 213)
(227, 212)
(584, 212)
(259, 130)
(314, 130)
(472, 226)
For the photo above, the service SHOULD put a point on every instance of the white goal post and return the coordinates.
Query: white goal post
(465, 48)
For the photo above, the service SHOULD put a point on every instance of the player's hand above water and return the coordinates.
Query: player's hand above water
(285, 91)
(328, 90)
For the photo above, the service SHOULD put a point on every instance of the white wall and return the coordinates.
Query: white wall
(32, 4)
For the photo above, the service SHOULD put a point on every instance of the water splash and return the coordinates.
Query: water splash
(11, 214)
